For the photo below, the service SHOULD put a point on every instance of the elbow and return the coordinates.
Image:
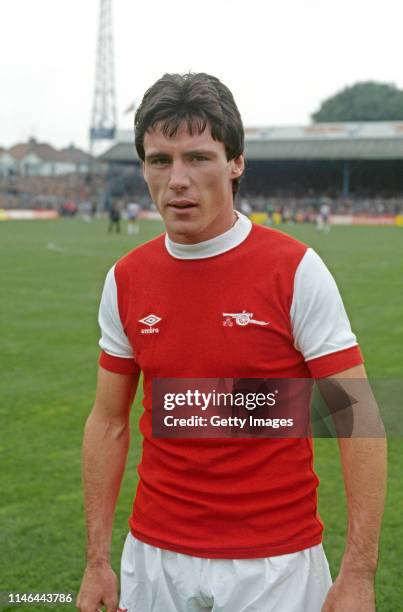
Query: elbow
(107, 427)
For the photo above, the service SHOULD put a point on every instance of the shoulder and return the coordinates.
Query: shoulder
(276, 248)
(144, 254)
(277, 238)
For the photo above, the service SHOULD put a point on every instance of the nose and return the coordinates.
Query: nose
(178, 179)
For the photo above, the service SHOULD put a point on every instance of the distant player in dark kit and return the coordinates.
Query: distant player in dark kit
(114, 218)
(225, 525)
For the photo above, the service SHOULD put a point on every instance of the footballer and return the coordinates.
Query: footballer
(226, 525)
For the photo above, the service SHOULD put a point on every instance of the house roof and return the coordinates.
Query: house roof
(42, 150)
(47, 153)
(75, 155)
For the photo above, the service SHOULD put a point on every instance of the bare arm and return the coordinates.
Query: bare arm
(364, 471)
(105, 447)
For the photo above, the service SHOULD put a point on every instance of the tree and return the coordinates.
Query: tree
(368, 101)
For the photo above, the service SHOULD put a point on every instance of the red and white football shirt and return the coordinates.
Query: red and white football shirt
(225, 498)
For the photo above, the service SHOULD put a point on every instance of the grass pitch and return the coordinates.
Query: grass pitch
(52, 277)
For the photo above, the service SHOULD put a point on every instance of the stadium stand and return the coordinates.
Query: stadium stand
(354, 167)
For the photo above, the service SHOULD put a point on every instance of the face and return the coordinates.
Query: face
(190, 182)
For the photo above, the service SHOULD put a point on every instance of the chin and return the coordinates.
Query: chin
(184, 229)
(187, 231)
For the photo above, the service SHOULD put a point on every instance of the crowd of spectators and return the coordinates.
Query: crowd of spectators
(307, 207)
(50, 192)
(72, 193)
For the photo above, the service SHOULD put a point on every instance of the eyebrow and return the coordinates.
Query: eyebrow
(200, 152)
(158, 154)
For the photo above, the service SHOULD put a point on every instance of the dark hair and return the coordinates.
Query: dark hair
(197, 98)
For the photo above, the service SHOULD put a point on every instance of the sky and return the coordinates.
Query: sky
(279, 58)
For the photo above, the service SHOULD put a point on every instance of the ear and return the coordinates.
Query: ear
(237, 166)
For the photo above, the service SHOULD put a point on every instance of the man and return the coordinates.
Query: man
(222, 525)
(323, 220)
(133, 210)
(114, 218)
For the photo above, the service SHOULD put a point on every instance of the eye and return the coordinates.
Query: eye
(159, 161)
(199, 158)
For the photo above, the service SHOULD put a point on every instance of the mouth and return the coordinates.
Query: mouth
(182, 204)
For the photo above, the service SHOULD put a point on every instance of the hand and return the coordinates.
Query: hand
(99, 588)
(353, 593)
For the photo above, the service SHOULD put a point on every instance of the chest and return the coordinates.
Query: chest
(210, 323)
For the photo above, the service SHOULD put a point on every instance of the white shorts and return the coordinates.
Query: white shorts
(158, 580)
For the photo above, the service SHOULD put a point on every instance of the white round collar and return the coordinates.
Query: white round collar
(215, 246)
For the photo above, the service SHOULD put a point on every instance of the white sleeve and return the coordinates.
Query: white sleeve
(113, 338)
(319, 321)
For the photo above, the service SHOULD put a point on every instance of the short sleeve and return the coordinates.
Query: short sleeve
(321, 329)
(117, 353)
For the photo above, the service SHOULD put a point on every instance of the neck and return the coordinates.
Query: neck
(217, 227)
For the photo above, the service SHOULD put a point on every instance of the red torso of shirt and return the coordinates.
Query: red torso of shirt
(222, 498)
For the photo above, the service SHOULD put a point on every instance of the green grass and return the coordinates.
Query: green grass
(48, 302)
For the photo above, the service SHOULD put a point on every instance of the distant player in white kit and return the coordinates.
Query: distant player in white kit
(133, 210)
(323, 220)
(220, 525)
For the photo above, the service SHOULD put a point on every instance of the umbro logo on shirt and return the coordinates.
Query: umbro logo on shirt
(240, 318)
(150, 320)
